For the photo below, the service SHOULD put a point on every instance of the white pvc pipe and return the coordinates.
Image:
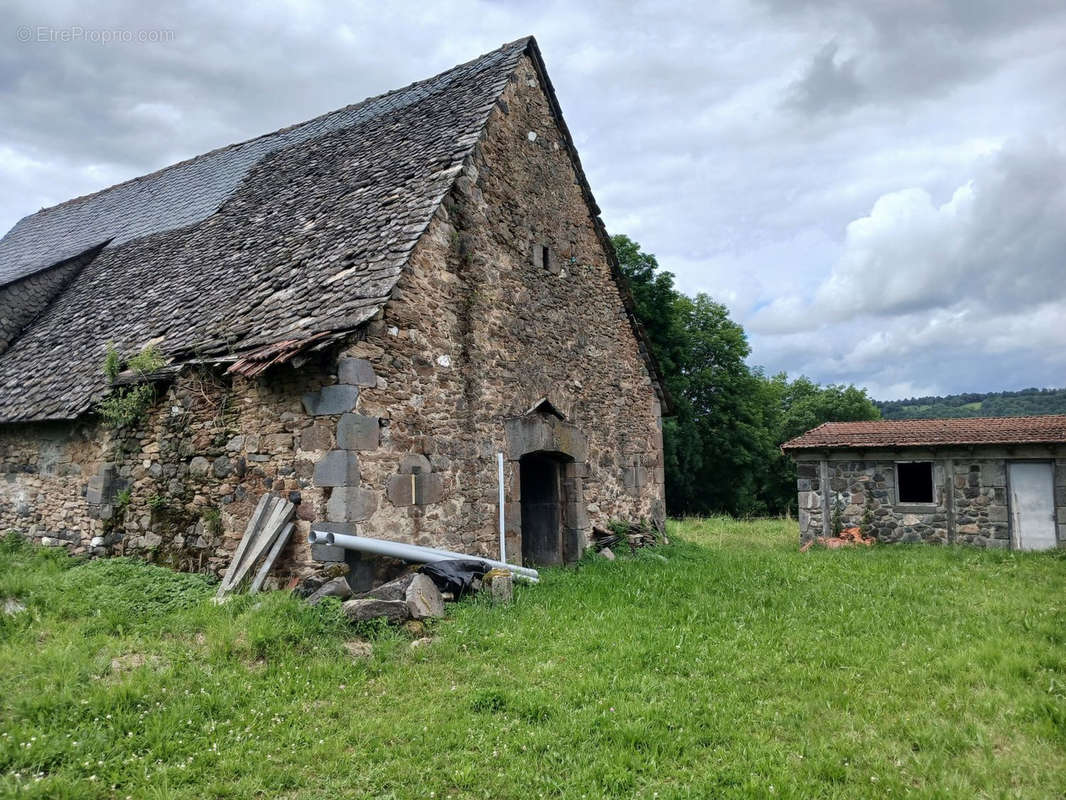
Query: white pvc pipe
(409, 552)
(503, 539)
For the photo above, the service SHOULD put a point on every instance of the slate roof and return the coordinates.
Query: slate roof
(292, 234)
(1050, 429)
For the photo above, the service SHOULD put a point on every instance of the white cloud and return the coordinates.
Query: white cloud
(977, 279)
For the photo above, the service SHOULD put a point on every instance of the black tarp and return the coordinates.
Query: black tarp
(455, 575)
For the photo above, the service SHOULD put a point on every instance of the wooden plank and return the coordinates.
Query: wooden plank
(283, 510)
(272, 556)
(249, 534)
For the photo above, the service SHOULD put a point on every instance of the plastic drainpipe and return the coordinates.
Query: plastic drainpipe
(410, 552)
(503, 540)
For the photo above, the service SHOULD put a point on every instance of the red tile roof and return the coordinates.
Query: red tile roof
(1050, 429)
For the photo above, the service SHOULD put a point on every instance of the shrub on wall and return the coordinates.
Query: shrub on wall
(127, 405)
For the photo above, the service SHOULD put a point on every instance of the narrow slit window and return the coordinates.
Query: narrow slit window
(545, 257)
(914, 480)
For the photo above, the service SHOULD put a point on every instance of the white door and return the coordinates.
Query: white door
(1032, 505)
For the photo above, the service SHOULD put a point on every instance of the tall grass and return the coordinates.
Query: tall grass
(737, 667)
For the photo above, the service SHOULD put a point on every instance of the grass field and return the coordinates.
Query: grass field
(737, 668)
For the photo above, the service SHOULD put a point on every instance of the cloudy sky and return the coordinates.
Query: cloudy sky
(876, 189)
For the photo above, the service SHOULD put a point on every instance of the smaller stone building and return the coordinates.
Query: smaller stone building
(991, 482)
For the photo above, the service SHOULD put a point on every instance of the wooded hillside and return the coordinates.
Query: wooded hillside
(988, 404)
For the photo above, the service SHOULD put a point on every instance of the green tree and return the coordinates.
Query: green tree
(655, 299)
(722, 444)
(800, 405)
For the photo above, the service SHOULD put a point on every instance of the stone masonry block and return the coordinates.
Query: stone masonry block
(316, 437)
(331, 400)
(327, 552)
(414, 489)
(428, 488)
(351, 504)
(993, 474)
(337, 468)
(358, 432)
(356, 372)
(336, 527)
(400, 489)
(101, 485)
(512, 517)
(96, 489)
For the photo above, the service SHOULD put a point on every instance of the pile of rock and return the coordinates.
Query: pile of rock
(411, 596)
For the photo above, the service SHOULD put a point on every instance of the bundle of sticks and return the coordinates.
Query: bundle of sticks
(635, 534)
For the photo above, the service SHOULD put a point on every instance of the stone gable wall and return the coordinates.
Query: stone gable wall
(479, 329)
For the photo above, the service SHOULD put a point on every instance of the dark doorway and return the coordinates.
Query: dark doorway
(542, 509)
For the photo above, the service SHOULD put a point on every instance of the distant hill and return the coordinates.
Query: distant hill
(992, 404)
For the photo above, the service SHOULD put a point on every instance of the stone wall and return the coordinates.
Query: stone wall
(970, 493)
(979, 501)
(180, 487)
(810, 499)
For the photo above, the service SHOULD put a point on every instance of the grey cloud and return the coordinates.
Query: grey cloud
(907, 52)
(936, 291)
(828, 84)
(897, 20)
(997, 243)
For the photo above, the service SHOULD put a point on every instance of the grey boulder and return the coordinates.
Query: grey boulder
(424, 599)
(367, 608)
(338, 587)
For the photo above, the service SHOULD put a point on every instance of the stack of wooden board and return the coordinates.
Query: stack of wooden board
(267, 533)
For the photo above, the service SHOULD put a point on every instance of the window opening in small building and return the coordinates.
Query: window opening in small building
(914, 480)
(545, 257)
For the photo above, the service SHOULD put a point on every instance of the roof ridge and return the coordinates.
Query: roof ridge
(525, 40)
(933, 432)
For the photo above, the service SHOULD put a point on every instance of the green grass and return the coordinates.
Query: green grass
(737, 668)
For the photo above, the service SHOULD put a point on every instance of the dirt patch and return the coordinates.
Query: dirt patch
(132, 661)
(359, 649)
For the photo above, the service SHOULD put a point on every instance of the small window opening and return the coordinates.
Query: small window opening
(545, 257)
(915, 481)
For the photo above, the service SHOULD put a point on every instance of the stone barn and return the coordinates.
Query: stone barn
(358, 313)
(993, 482)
